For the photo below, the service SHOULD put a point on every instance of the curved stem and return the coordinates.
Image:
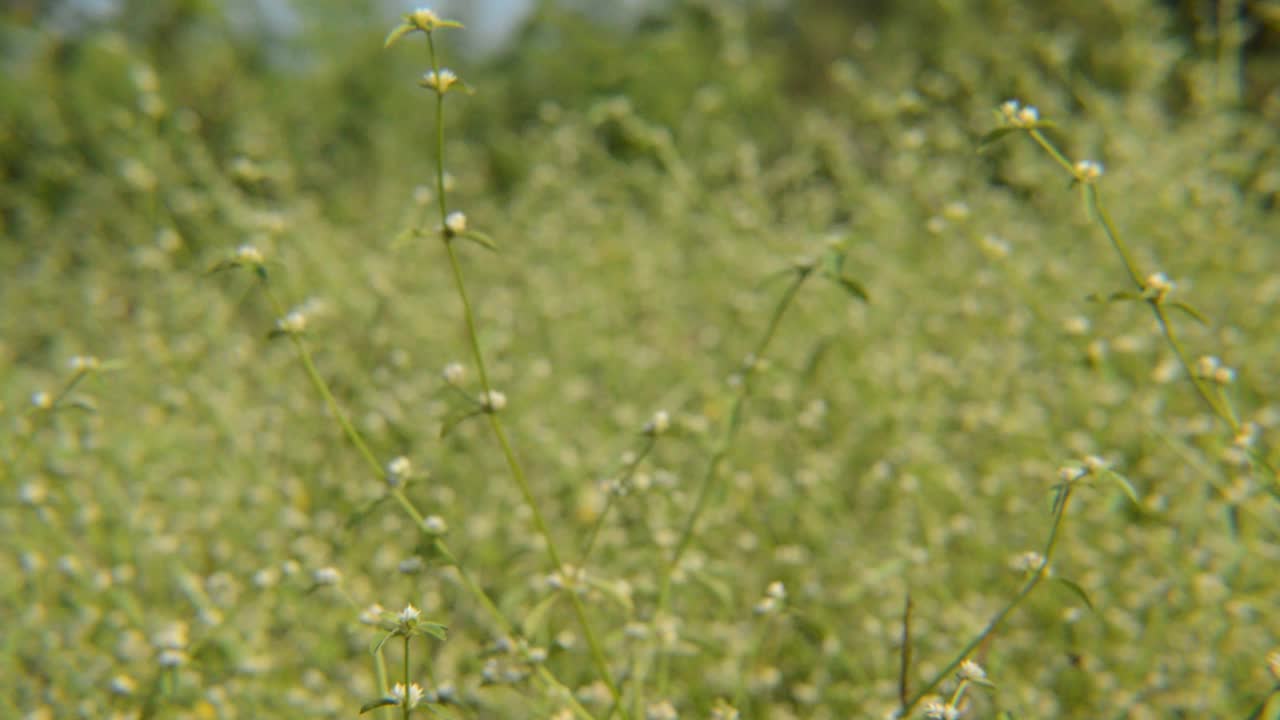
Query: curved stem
(1037, 575)
(499, 432)
(719, 453)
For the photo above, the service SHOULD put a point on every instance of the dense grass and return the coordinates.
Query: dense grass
(174, 512)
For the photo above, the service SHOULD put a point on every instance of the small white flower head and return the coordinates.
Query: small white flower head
(1157, 286)
(446, 692)
(42, 400)
(171, 658)
(567, 577)
(722, 710)
(1207, 365)
(423, 19)
(1095, 464)
(409, 614)
(971, 671)
(1247, 437)
(173, 636)
(941, 711)
(536, 655)
(123, 685)
(435, 525)
(663, 710)
(1009, 110)
(248, 254)
(493, 401)
(658, 424)
(410, 565)
(1071, 473)
(1027, 562)
(776, 590)
(407, 697)
(373, 615)
(1088, 171)
(439, 81)
(399, 471)
(422, 195)
(455, 223)
(1027, 117)
(84, 363)
(327, 576)
(293, 323)
(1224, 376)
(454, 373)
(32, 493)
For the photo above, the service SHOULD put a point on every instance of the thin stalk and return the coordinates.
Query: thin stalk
(1037, 575)
(720, 451)
(626, 478)
(404, 706)
(1216, 403)
(499, 432)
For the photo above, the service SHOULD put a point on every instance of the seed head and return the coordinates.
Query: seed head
(658, 424)
(1088, 171)
(439, 81)
(407, 697)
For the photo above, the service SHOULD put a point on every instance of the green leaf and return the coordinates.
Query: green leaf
(396, 33)
(435, 630)
(1075, 588)
(533, 622)
(220, 266)
(1195, 314)
(359, 515)
(1120, 296)
(481, 239)
(833, 263)
(449, 425)
(375, 704)
(995, 136)
(854, 288)
(377, 647)
(1124, 484)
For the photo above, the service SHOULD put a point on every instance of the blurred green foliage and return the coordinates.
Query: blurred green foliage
(640, 181)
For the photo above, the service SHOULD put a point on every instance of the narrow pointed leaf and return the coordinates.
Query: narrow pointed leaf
(1124, 484)
(1075, 588)
(1195, 314)
(377, 647)
(359, 515)
(435, 630)
(1119, 296)
(396, 33)
(854, 288)
(375, 704)
(533, 622)
(994, 137)
(481, 239)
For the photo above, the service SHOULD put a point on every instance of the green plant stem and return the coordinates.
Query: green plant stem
(626, 478)
(404, 706)
(1034, 580)
(719, 452)
(1093, 205)
(499, 432)
(24, 441)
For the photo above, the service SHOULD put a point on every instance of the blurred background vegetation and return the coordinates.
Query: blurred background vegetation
(642, 166)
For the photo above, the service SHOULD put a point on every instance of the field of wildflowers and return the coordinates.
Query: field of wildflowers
(741, 360)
